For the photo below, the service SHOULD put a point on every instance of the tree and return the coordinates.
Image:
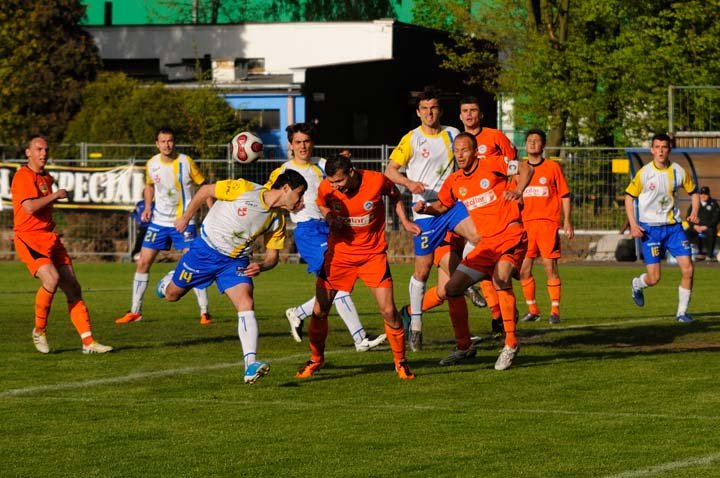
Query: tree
(119, 110)
(589, 71)
(45, 60)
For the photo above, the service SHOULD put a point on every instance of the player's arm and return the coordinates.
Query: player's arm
(524, 175)
(410, 226)
(272, 257)
(635, 229)
(433, 209)
(567, 223)
(148, 195)
(205, 192)
(393, 174)
(31, 206)
(694, 208)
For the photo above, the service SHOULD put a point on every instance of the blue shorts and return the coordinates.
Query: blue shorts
(202, 265)
(311, 240)
(658, 239)
(434, 229)
(161, 237)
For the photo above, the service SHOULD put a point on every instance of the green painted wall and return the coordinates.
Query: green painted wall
(144, 12)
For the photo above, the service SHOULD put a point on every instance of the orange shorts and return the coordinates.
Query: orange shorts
(39, 248)
(543, 239)
(340, 272)
(508, 246)
(451, 243)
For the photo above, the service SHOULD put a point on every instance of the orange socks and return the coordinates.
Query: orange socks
(396, 339)
(430, 300)
(43, 302)
(317, 334)
(459, 318)
(553, 287)
(528, 288)
(491, 297)
(507, 306)
(80, 318)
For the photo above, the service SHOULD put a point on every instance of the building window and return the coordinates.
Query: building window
(260, 120)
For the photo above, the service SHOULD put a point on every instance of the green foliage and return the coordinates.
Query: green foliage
(117, 109)
(594, 72)
(45, 60)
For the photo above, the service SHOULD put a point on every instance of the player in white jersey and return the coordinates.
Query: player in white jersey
(243, 212)
(426, 154)
(657, 221)
(170, 179)
(311, 237)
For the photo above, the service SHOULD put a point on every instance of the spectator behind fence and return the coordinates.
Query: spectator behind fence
(704, 233)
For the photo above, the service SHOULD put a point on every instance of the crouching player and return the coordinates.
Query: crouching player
(244, 212)
(483, 186)
(352, 201)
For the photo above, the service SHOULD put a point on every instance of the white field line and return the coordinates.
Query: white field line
(190, 370)
(674, 465)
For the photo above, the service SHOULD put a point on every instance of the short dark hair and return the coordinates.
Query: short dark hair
(470, 100)
(429, 93)
(33, 138)
(337, 163)
(538, 132)
(292, 178)
(165, 129)
(662, 137)
(305, 128)
(469, 136)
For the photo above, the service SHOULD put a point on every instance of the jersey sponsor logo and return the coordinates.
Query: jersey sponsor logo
(368, 205)
(358, 221)
(481, 200)
(484, 183)
(536, 191)
(543, 180)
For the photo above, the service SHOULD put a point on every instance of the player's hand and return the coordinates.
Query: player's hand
(61, 194)
(510, 195)
(412, 228)
(415, 187)
(253, 269)
(693, 219)
(145, 216)
(419, 207)
(569, 230)
(181, 224)
(637, 231)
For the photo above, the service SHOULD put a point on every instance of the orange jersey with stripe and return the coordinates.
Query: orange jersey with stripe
(362, 213)
(492, 142)
(482, 193)
(27, 184)
(542, 196)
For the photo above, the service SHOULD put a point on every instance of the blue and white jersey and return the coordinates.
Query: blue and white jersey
(656, 191)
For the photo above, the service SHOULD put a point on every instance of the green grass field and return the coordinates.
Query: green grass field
(613, 391)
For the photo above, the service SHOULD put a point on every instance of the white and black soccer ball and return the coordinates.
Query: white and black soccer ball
(246, 147)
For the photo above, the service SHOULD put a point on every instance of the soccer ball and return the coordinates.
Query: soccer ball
(246, 147)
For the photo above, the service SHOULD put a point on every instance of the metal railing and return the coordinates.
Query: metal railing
(597, 192)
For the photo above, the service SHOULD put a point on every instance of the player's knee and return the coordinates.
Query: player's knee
(453, 290)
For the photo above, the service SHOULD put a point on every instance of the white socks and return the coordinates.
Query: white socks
(202, 299)
(683, 300)
(348, 313)
(417, 291)
(248, 334)
(639, 282)
(140, 284)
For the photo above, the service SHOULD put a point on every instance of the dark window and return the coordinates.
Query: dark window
(260, 119)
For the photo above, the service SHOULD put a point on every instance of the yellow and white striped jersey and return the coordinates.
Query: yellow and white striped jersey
(174, 189)
(428, 159)
(656, 191)
(240, 216)
(313, 174)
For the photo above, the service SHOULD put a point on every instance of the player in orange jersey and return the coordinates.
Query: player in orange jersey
(39, 247)
(352, 202)
(483, 186)
(490, 142)
(543, 199)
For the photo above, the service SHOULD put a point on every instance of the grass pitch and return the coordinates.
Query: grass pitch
(613, 391)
